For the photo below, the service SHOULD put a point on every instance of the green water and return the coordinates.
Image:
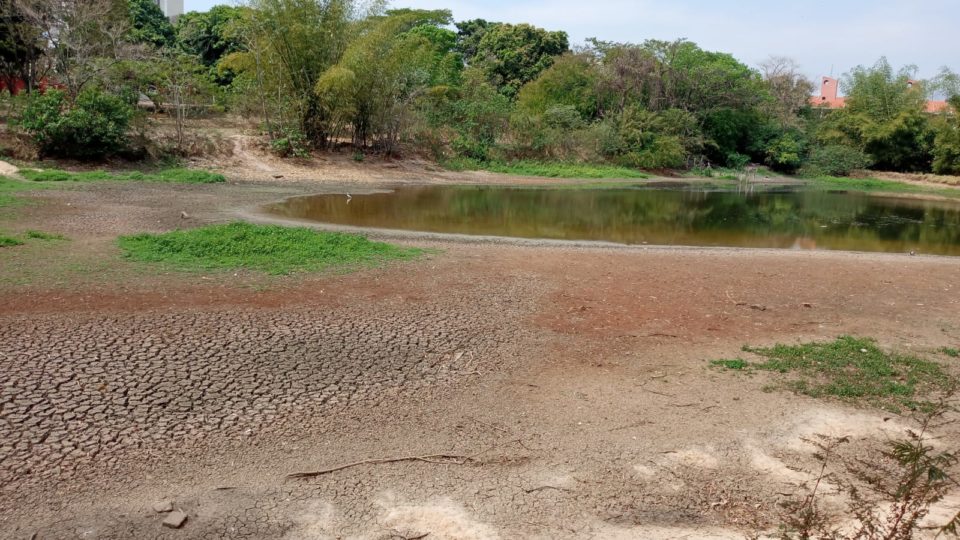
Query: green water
(775, 219)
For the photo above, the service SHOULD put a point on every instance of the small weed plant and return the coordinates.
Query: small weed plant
(887, 493)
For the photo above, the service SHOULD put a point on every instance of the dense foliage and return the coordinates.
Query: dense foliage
(94, 125)
(320, 74)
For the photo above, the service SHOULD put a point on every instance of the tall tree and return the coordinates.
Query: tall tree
(789, 89)
(208, 34)
(380, 75)
(149, 24)
(515, 54)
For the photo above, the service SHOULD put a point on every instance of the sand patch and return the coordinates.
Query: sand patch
(442, 519)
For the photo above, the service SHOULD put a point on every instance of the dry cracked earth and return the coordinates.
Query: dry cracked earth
(544, 392)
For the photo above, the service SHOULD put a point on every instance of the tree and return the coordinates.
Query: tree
(23, 45)
(289, 44)
(571, 81)
(881, 94)
(88, 37)
(884, 118)
(789, 89)
(513, 55)
(149, 24)
(946, 145)
(380, 75)
(469, 34)
(209, 35)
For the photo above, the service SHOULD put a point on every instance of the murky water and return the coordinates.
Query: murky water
(780, 218)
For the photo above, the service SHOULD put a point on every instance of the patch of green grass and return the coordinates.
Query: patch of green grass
(879, 186)
(951, 352)
(737, 364)
(9, 241)
(178, 175)
(853, 369)
(8, 189)
(40, 235)
(549, 169)
(268, 248)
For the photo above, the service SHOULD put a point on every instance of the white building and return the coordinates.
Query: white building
(171, 8)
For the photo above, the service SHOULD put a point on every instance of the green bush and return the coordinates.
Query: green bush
(835, 160)
(93, 126)
(292, 143)
(785, 154)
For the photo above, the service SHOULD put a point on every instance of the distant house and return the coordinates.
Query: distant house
(171, 8)
(829, 97)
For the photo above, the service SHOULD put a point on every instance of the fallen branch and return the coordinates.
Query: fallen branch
(441, 459)
(541, 488)
(448, 459)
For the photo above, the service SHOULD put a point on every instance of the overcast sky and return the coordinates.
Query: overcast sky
(821, 35)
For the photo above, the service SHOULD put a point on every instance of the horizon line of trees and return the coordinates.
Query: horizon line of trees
(320, 74)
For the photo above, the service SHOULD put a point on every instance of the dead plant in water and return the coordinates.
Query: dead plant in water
(887, 494)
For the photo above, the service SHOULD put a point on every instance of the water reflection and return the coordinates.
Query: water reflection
(780, 219)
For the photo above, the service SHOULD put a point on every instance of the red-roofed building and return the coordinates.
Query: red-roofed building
(830, 97)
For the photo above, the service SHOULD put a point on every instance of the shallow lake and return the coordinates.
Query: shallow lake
(777, 218)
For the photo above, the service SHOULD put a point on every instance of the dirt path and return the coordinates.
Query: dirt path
(575, 380)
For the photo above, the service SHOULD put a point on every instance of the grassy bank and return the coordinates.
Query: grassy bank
(548, 169)
(874, 185)
(849, 368)
(176, 175)
(268, 248)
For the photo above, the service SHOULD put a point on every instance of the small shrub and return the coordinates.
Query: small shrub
(835, 160)
(785, 154)
(291, 143)
(92, 127)
(737, 161)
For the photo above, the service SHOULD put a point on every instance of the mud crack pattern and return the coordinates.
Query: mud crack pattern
(83, 390)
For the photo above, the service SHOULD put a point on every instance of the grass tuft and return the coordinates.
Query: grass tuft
(549, 169)
(177, 175)
(268, 248)
(853, 369)
(951, 352)
(40, 235)
(737, 364)
(9, 241)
